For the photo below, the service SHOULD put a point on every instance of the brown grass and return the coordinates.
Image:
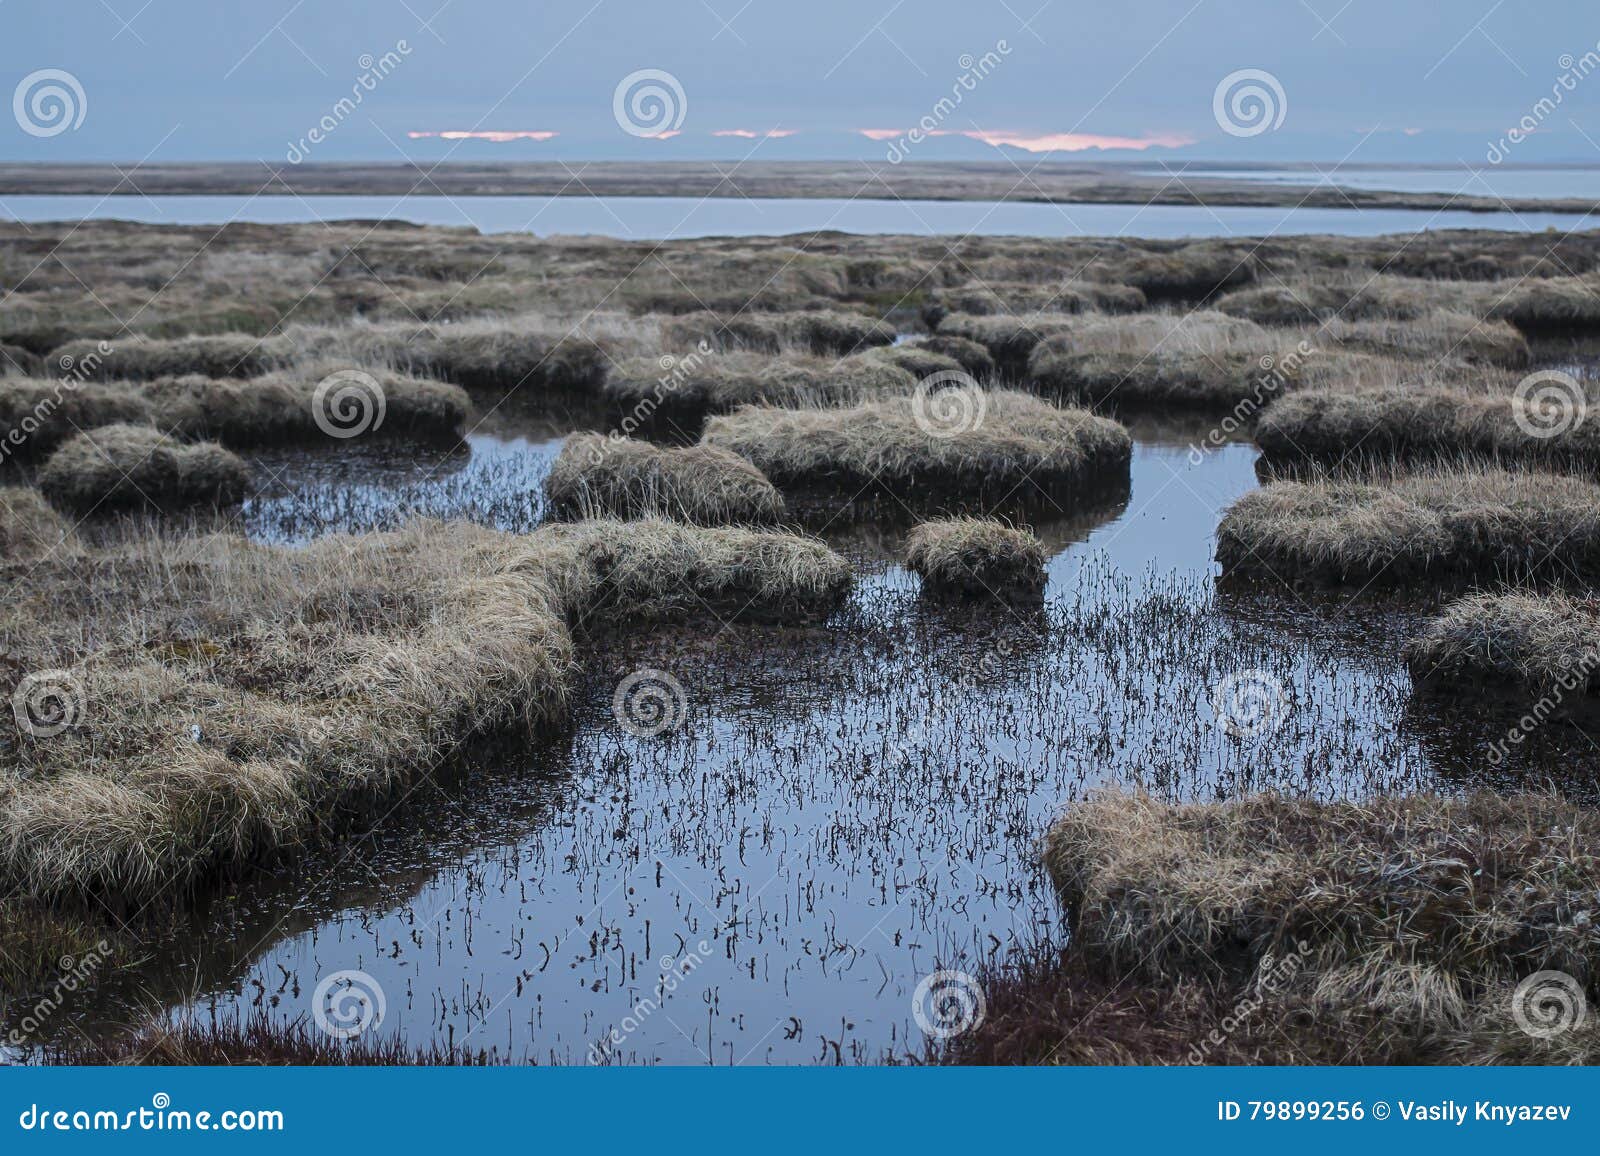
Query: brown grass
(1392, 931)
(976, 558)
(820, 332)
(601, 476)
(118, 466)
(1420, 423)
(275, 407)
(220, 355)
(238, 700)
(1538, 640)
(1018, 440)
(717, 383)
(1469, 522)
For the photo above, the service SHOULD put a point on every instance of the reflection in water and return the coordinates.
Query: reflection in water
(847, 806)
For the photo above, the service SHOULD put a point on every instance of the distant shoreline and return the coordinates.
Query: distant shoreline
(1053, 182)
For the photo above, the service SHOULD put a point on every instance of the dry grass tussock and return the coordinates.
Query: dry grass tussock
(1009, 338)
(719, 382)
(1444, 524)
(826, 332)
(955, 441)
(1541, 640)
(238, 699)
(1022, 297)
(30, 529)
(275, 407)
(118, 466)
(536, 353)
(1203, 359)
(220, 355)
(1423, 422)
(976, 558)
(1458, 336)
(1393, 931)
(600, 476)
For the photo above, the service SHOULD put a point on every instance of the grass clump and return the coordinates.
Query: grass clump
(953, 442)
(1442, 333)
(976, 558)
(1010, 339)
(721, 382)
(30, 529)
(1392, 931)
(120, 466)
(823, 332)
(596, 475)
(1537, 640)
(1550, 305)
(1468, 522)
(971, 356)
(1421, 423)
(221, 355)
(1205, 359)
(275, 407)
(236, 701)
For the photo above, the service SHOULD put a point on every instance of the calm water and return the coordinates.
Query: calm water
(677, 217)
(1484, 181)
(845, 808)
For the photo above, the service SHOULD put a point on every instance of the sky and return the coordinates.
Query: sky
(290, 81)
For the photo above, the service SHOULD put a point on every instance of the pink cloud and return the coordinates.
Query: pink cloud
(752, 134)
(1067, 142)
(1073, 142)
(497, 135)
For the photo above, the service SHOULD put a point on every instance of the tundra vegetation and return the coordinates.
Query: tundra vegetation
(961, 440)
(976, 558)
(1268, 930)
(237, 703)
(597, 476)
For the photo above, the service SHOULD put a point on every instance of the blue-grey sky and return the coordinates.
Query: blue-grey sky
(1363, 80)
